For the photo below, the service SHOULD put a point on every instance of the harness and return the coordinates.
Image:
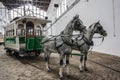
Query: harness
(57, 47)
(64, 42)
(87, 41)
(90, 43)
(78, 46)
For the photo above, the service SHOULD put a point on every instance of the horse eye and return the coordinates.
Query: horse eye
(100, 28)
(79, 23)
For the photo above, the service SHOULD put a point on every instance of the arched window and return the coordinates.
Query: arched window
(20, 26)
(29, 28)
(38, 31)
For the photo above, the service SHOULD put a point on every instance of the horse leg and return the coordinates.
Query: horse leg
(65, 61)
(61, 65)
(67, 64)
(47, 56)
(85, 59)
(80, 65)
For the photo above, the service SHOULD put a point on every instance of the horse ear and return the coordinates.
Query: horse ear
(76, 16)
(98, 21)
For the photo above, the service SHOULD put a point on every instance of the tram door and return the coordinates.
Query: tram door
(30, 41)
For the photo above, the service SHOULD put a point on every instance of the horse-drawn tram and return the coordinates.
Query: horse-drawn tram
(23, 36)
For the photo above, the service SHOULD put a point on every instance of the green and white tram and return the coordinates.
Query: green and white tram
(24, 36)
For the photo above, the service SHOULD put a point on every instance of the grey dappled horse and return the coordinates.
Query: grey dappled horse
(83, 43)
(59, 44)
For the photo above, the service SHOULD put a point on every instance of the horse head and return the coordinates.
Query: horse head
(78, 24)
(99, 29)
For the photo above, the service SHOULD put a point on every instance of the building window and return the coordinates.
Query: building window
(61, 8)
(26, 10)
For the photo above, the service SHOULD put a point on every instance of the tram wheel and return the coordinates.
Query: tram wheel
(37, 54)
(8, 52)
(17, 55)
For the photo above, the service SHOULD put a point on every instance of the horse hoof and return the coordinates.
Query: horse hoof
(86, 69)
(81, 70)
(61, 78)
(49, 70)
(65, 65)
(68, 76)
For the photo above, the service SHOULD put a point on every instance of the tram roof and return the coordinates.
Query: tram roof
(42, 21)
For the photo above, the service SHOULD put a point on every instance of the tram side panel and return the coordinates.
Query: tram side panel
(11, 41)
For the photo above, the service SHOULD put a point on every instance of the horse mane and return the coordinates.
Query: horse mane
(75, 17)
(93, 24)
(90, 26)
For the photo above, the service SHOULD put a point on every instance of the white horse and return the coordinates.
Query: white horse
(83, 43)
(59, 44)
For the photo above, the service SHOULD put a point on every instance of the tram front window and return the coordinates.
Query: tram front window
(29, 29)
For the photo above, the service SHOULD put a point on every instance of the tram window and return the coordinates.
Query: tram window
(30, 31)
(38, 31)
(13, 32)
(20, 30)
(20, 26)
(10, 33)
(29, 28)
(6, 33)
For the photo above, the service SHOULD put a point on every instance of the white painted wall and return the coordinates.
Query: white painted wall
(90, 12)
(4, 18)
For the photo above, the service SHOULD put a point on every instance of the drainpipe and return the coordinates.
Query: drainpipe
(114, 25)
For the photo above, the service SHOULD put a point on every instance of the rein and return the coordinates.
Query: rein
(58, 36)
(83, 37)
(49, 39)
(90, 43)
(98, 38)
(97, 45)
(85, 40)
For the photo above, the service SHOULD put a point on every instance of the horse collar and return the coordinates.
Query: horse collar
(87, 41)
(57, 47)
